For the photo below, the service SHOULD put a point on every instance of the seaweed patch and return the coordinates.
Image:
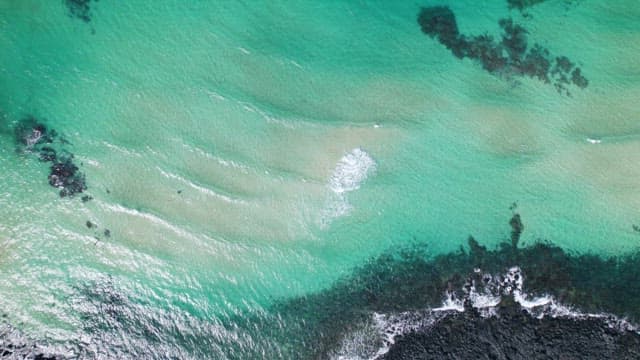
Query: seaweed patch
(33, 136)
(522, 4)
(80, 9)
(511, 55)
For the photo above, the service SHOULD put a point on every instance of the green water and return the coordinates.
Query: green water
(217, 137)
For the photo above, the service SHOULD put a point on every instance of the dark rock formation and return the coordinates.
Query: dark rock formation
(30, 132)
(48, 154)
(509, 56)
(13, 345)
(65, 176)
(33, 136)
(514, 334)
(412, 279)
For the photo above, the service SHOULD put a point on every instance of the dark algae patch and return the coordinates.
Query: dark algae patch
(511, 55)
(80, 9)
(522, 4)
(33, 136)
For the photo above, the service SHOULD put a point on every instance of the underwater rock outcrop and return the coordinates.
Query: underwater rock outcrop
(66, 177)
(509, 56)
(34, 136)
(80, 9)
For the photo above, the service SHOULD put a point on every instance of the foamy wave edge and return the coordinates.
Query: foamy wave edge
(485, 301)
(350, 172)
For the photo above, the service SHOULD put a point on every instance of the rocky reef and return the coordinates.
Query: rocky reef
(590, 310)
(514, 334)
(13, 345)
(509, 56)
(33, 136)
(410, 280)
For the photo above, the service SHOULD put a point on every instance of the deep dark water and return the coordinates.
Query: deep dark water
(410, 279)
(509, 56)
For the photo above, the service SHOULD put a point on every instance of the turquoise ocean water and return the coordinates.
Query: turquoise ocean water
(245, 153)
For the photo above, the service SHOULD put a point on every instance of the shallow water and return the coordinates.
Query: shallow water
(245, 154)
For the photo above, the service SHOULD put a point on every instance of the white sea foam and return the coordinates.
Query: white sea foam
(201, 189)
(391, 326)
(151, 218)
(348, 175)
(352, 169)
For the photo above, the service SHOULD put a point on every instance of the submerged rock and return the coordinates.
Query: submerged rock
(30, 132)
(509, 56)
(65, 176)
(13, 345)
(48, 154)
(80, 9)
(33, 136)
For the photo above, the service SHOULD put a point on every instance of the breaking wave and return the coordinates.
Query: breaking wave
(350, 172)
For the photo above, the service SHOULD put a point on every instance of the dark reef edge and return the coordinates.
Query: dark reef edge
(404, 281)
(509, 56)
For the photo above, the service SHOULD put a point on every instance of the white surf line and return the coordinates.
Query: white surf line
(228, 163)
(390, 326)
(249, 107)
(202, 189)
(215, 95)
(152, 218)
(121, 149)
